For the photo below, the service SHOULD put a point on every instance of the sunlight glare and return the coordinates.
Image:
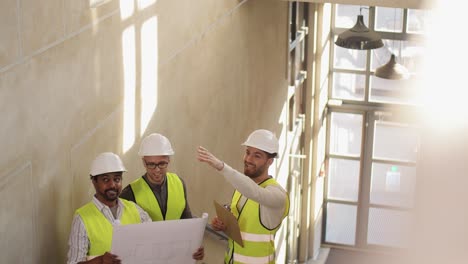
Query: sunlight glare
(97, 3)
(149, 71)
(142, 4)
(129, 68)
(127, 8)
(443, 92)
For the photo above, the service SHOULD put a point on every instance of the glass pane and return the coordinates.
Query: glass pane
(393, 91)
(341, 223)
(317, 236)
(325, 63)
(318, 196)
(326, 22)
(323, 97)
(408, 53)
(346, 15)
(417, 20)
(346, 134)
(393, 141)
(389, 19)
(348, 86)
(349, 58)
(392, 185)
(321, 145)
(343, 179)
(389, 228)
(381, 56)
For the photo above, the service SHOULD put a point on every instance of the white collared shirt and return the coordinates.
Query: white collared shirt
(79, 243)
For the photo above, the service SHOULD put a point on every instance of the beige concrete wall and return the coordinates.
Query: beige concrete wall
(74, 80)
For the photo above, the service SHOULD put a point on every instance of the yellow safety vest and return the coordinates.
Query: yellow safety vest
(146, 199)
(259, 241)
(99, 229)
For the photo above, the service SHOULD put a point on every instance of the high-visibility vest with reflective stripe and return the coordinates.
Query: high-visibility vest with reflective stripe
(145, 198)
(99, 229)
(259, 241)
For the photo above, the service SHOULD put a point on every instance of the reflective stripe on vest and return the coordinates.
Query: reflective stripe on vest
(99, 229)
(254, 260)
(257, 237)
(259, 244)
(146, 199)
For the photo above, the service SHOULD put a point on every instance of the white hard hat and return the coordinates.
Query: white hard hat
(155, 145)
(106, 162)
(264, 140)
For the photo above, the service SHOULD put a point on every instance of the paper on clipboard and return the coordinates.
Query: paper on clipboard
(232, 227)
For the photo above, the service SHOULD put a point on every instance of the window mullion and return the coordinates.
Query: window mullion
(365, 180)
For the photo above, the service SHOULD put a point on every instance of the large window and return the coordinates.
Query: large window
(372, 142)
(353, 70)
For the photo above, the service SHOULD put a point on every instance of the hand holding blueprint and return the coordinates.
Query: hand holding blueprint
(162, 242)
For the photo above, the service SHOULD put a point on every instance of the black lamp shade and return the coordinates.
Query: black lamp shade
(359, 37)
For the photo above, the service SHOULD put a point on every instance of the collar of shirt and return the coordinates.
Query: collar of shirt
(106, 211)
(155, 186)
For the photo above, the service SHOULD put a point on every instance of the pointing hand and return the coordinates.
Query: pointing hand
(205, 156)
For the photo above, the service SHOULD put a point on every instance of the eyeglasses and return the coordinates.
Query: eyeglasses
(161, 165)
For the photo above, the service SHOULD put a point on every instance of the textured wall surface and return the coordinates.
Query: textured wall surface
(76, 81)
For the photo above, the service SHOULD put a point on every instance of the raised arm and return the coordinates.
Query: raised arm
(271, 196)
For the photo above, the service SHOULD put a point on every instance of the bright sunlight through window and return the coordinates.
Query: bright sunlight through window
(128, 49)
(149, 71)
(127, 8)
(444, 90)
(142, 4)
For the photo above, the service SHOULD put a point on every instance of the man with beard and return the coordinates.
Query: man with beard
(91, 232)
(259, 203)
(160, 193)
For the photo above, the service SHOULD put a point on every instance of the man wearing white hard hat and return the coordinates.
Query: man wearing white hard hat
(259, 203)
(160, 193)
(91, 232)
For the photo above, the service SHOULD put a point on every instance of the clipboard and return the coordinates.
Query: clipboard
(232, 227)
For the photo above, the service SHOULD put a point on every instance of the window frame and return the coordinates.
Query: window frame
(401, 113)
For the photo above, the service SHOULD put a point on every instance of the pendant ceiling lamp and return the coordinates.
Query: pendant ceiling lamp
(359, 37)
(392, 70)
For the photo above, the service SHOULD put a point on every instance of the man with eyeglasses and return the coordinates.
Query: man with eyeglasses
(160, 193)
